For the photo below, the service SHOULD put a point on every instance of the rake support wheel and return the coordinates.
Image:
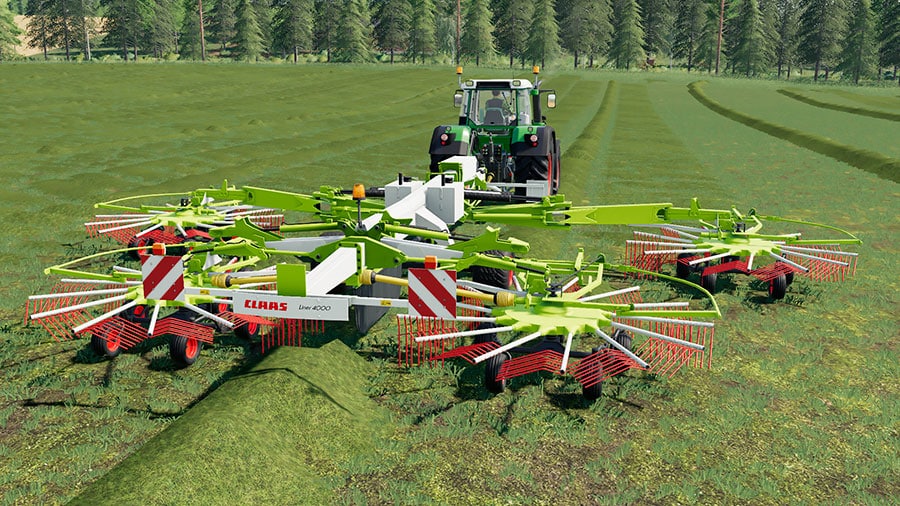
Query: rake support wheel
(708, 281)
(682, 270)
(110, 347)
(593, 392)
(778, 287)
(492, 370)
(184, 350)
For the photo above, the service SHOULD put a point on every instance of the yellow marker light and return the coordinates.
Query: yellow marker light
(158, 248)
(359, 191)
(459, 71)
(535, 70)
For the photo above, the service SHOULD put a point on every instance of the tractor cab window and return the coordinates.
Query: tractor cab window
(501, 107)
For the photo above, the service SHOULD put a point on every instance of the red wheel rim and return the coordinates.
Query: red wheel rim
(771, 287)
(252, 328)
(509, 280)
(139, 311)
(192, 348)
(113, 340)
(222, 307)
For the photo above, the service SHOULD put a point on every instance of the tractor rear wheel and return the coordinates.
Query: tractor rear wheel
(492, 370)
(531, 168)
(778, 287)
(110, 347)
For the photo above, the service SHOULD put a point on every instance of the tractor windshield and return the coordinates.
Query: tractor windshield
(501, 107)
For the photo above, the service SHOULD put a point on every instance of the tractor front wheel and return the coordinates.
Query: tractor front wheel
(778, 287)
(184, 350)
(492, 370)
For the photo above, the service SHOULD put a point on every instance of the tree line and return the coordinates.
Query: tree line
(752, 37)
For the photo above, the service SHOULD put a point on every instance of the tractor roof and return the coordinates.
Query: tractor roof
(497, 84)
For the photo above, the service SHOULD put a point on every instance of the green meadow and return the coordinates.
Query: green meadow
(801, 404)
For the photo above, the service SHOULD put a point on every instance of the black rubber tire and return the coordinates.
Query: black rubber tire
(623, 337)
(103, 347)
(557, 168)
(139, 314)
(778, 287)
(682, 271)
(593, 392)
(184, 350)
(486, 338)
(137, 242)
(708, 281)
(789, 277)
(249, 331)
(531, 167)
(491, 370)
(492, 276)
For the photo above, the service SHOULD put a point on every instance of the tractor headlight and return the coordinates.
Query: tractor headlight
(533, 139)
(445, 139)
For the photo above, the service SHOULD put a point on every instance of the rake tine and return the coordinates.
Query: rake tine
(610, 294)
(123, 227)
(621, 348)
(565, 359)
(686, 244)
(506, 347)
(656, 335)
(647, 305)
(464, 333)
(153, 319)
(670, 320)
(750, 261)
(665, 252)
(818, 259)
(88, 293)
(708, 259)
(789, 262)
(681, 233)
(104, 316)
(814, 250)
(53, 312)
(114, 222)
(148, 230)
(666, 237)
(98, 282)
(118, 268)
(209, 315)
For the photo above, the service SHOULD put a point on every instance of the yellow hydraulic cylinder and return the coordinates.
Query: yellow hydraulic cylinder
(500, 299)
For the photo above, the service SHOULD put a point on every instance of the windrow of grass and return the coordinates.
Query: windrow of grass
(285, 428)
(862, 111)
(883, 166)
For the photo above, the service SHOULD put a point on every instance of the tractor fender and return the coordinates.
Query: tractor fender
(457, 143)
(521, 145)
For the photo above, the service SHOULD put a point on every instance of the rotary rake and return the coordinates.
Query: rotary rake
(478, 298)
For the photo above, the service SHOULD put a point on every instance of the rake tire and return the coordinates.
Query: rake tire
(682, 271)
(486, 338)
(104, 347)
(623, 337)
(492, 370)
(593, 392)
(249, 331)
(184, 350)
(492, 276)
(708, 281)
(778, 287)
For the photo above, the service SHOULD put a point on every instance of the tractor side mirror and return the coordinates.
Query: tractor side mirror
(457, 99)
(551, 100)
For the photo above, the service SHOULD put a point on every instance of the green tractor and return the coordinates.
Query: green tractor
(501, 125)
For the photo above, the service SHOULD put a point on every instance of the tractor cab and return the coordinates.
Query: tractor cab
(490, 103)
(501, 126)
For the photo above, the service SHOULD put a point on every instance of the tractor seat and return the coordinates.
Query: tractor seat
(494, 116)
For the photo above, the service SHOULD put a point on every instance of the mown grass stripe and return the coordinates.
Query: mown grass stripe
(862, 111)
(876, 163)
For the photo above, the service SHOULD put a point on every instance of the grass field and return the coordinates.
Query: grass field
(802, 404)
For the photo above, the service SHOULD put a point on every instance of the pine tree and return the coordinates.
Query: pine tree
(749, 48)
(124, 24)
(222, 19)
(9, 32)
(292, 26)
(821, 28)
(248, 34)
(543, 38)
(422, 40)
(160, 28)
(189, 47)
(889, 36)
(859, 55)
(477, 40)
(628, 34)
(586, 28)
(600, 28)
(689, 18)
(657, 21)
(354, 33)
(328, 13)
(513, 26)
(37, 32)
(393, 25)
(786, 16)
(709, 34)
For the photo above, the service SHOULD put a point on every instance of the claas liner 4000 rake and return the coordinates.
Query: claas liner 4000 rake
(478, 298)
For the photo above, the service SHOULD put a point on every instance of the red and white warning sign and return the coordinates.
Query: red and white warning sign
(163, 277)
(432, 293)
